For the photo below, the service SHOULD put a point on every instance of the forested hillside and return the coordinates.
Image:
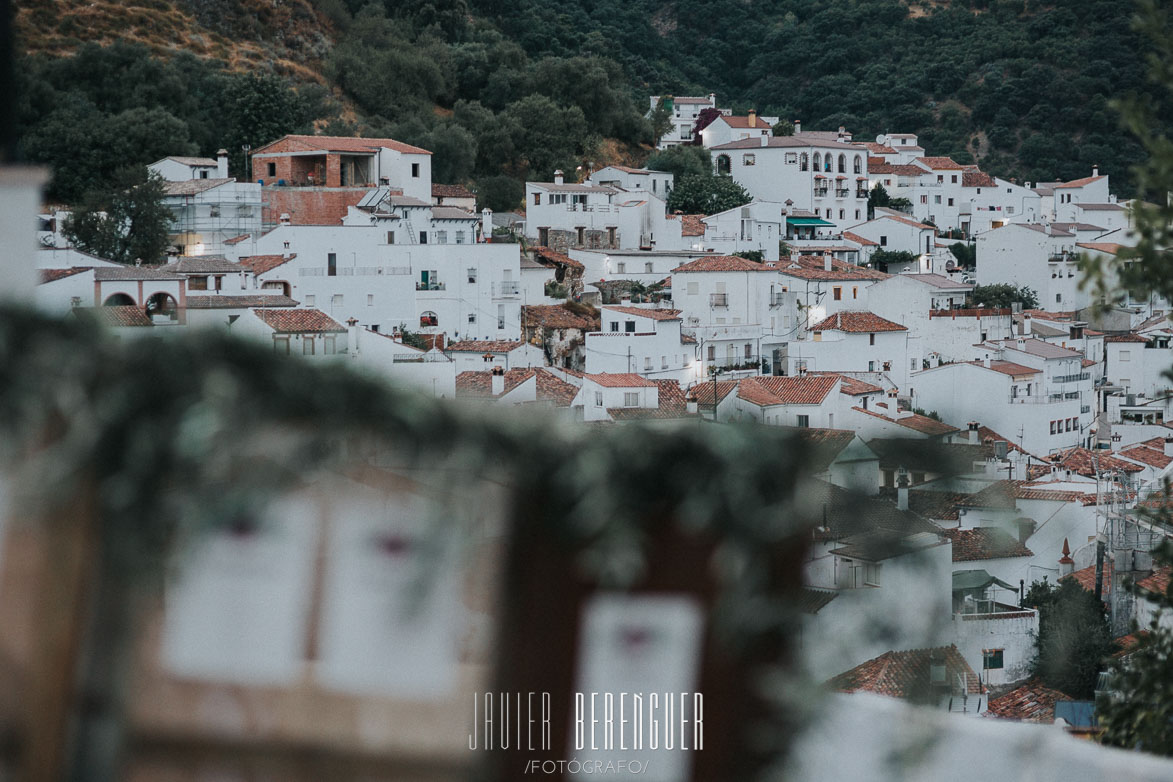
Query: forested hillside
(502, 90)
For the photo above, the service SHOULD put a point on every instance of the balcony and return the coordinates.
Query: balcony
(718, 300)
(842, 193)
(506, 288)
(820, 192)
(861, 194)
(1085, 409)
(1071, 378)
(777, 300)
(431, 285)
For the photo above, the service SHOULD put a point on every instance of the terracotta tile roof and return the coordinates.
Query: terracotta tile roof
(939, 505)
(484, 346)
(1128, 643)
(264, 263)
(857, 323)
(811, 601)
(915, 421)
(859, 239)
(842, 514)
(1150, 452)
(672, 405)
(940, 163)
(147, 273)
(557, 316)
(998, 495)
(851, 386)
(812, 267)
(1084, 363)
(1100, 207)
(1158, 582)
(202, 264)
(906, 221)
(734, 121)
(192, 161)
(451, 191)
(619, 380)
(880, 149)
(52, 275)
(970, 545)
(1032, 702)
(825, 445)
(303, 143)
(654, 314)
(1037, 347)
(1009, 368)
(1074, 227)
(121, 316)
(906, 674)
(299, 321)
(1086, 577)
(549, 387)
(939, 281)
(1084, 462)
(237, 239)
(702, 393)
(804, 390)
(1079, 182)
(692, 225)
(723, 263)
(237, 302)
(1137, 338)
(192, 186)
(556, 257)
(977, 179)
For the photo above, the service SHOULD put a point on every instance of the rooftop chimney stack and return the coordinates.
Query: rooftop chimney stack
(902, 491)
(222, 164)
(1026, 324)
(1066, 563)
(753, 118)
(1096, 170)
(797, 126)
(352, 337)
(1169, 445)
(497, 374)
(487, 224)
(826, 261)
(558, 177)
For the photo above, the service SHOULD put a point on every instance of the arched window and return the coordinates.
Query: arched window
(858, 164)
(842, 163)
(118, 300)
(828, 163)
(162, 305)
(428, 319)
(818, 162)
(723, 164)
(803, 162)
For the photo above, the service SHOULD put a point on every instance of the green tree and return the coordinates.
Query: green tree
(784, 127)
(500, 193)
(877, 197)
(1073, 639)
(964, 253)
(707, 195)
(661, 121)
(882, 259)
(128, 224)
(1003, 295)
(681, 161)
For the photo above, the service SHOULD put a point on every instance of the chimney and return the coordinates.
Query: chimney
(986, 361)
(284, 218)
(712, 99)
(558, 177)
(765, 140)
(1047, 229)
(826, 261)
(1026, 323)
(1169, 445)
(625, 301)
(902, 491)
(1022, 344)
(842, 131)
(1066, 563)
(352, 337)
(973, 426)
(487, 224)
(753, 118)
(497, 375)
(1096, 170)
(797, 126)
(222, 164)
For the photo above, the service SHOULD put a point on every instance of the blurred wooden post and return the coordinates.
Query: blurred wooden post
(67, 567)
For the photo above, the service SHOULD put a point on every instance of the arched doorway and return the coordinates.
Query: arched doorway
(118, 300)
(162, 306)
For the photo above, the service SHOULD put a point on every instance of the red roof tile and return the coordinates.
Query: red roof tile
(970, 545)
(905, 221)
(484, 346)
(1158, 582)
(1079, 182)
(557, 257)
(859, 239)
(1032, 702)
(723, 263)
(1086, 462)
(672, 405)
(1009, 368)
(977, 179)
(1152, 455)
(857, 323)
(702, 393)
(301, 143)
(549, 387)
(940, 163)
(801, 390)
(813, 267)
(1125, 338)
(120, 316)
(654, 314)
(692, 225)
(620, 380)
(299, 321)
(52, 275)
(1086, 577)
(451, 191)
(263, 263)
(915, 421)
(851, 386)
(906, 674)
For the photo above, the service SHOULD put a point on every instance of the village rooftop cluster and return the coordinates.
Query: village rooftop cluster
(1038, 433)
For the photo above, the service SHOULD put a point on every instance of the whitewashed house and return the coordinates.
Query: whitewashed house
(483, 355)
(758, 226)
(658, 183)
(562, 215)
(684, 111)
(1040, 257)
(823, 286)
(894, 232)
(1137, 363)
(730, 127)
(643, 341)
(805, 401)
(603, 392)
(856, 341)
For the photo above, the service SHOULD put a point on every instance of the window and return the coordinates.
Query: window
(950, 202)
(871, 339)
(472, 317)
(871, 366)
(611, 236)
(747, 159)
(630, 399)
(201, 284)
(336, 300)
(1053, 427)
(723, 164)
(663, 362)
(1125, 355)
(856, 214)
(936, 199)
(912, 364)
(1058, 298)
(423, 237)
(842, 214)
(924, 199)
(818, 161)
(370, 299)
(615, 325)
(857, 166)
(621, 268)
(331, 264)
(748, 350)
(647, 363)
(472, 275)
(802, 420)
(791, 158)
(441, 237)
(415, 170)
(648, 267)
(598, 399)
(390, 237)
(500, 316)
(460, 237)
(854, 292)
(629, 326)
(991, 658)
(712, 353)
(883, 241)
(837, 293)
(842, 164)
(580, 234)
(281, 343)
(307, 345)
(803, 162)
(309, 300)
(273, 172)
(537, 199)
(214, 210)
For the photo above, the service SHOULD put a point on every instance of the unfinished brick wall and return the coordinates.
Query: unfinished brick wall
(308, 205)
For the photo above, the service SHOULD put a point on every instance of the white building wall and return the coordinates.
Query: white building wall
(1014, 634)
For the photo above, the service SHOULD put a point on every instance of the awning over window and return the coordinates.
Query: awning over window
(964, 580)
(817, 221)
